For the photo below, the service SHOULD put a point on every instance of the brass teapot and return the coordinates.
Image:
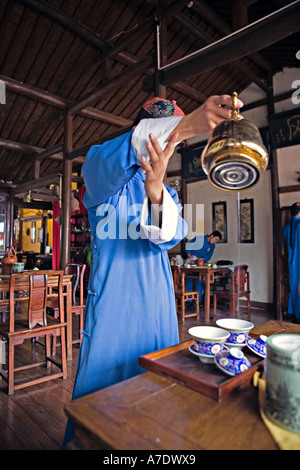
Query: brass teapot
(234, 156)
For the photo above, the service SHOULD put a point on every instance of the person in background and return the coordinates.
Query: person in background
(201, 247)
(291, 236)
(134, 219)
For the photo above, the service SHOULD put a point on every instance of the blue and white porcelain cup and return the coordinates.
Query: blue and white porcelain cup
(208, 340)
(238, 329)
(282, 372)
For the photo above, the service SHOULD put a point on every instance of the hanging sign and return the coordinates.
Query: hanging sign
(285, 128)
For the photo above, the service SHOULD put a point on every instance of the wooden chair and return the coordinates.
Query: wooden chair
(4, 306)
(239, 287)
(78, 306)
(31, 324)
(184, 296)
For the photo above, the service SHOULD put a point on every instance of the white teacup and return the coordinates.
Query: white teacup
(238, 329)
(208, 340)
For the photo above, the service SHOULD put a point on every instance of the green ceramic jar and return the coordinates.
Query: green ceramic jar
(283, 381)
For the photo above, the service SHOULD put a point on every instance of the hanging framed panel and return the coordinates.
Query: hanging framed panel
(246, 221)
(219, 219)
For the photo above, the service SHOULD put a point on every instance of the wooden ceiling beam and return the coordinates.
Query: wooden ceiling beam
(97, 114)
(55, 153)
(190, 92)
(41, 205)
(19, 147)
(254, 37)
(217, 22)
(34, 184)
(36, 153)
(32, 92)
(110, 52)
(114, 82)
(53, 100)
(80, 30)
(207, 39)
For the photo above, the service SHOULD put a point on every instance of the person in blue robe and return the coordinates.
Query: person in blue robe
(201, 247)
(291, 236)
(134, 220)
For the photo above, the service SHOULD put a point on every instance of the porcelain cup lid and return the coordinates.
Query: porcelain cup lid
(232, 361)
(258, 345)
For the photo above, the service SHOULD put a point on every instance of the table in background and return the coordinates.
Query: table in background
(150, 412)
(206, 276)
(22, 284)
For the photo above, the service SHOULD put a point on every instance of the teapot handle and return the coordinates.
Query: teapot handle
(10, 251)
(234, 113)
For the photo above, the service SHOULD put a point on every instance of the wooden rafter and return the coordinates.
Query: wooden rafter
(207, 39)
(33, 184)
(241, 43)
(114, 82)
(80, 30)
(211, 17)
(36, 153)
(53, 100)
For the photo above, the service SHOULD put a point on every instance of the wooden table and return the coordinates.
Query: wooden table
(206, 276)
(150, 412)
(22, 284)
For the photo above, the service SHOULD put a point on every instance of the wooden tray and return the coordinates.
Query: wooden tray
(185, 368)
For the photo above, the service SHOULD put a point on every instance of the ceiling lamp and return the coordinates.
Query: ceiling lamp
(27, 197)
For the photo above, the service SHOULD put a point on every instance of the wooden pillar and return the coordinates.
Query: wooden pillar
(45, 238)
(277, 235)
(36, 168)
(160, 55)
(66, 193)
(9, 226)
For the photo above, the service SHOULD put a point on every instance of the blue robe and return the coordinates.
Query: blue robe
(201, 248)
(130, 308)
(293, 245)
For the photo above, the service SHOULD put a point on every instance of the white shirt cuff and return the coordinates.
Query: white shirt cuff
(161, 128)
(169, 217)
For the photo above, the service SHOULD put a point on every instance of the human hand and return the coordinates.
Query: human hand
(156, 171)
(205, 118)
(211, 113)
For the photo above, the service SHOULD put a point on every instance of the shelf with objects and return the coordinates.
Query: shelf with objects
(80, 236)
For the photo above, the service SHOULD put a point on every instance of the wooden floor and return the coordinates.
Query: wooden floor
(34, 418)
